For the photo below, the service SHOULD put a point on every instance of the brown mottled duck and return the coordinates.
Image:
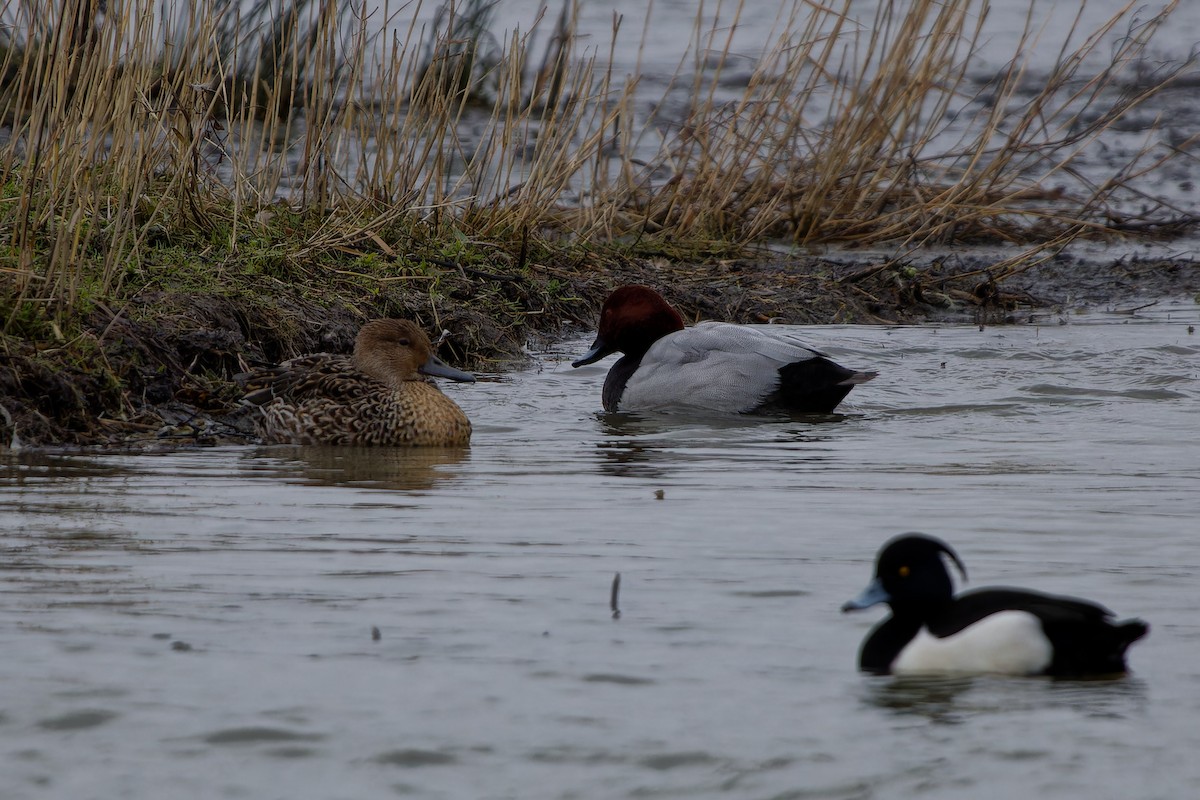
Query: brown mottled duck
(378, 396)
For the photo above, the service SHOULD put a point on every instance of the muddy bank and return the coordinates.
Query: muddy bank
(156, 372)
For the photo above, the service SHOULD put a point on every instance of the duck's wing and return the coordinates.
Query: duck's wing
(780, 348)
(321, 375)
(714, 366)
(979, 603)
(970, 607)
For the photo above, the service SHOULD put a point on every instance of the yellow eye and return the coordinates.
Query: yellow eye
(903, 572)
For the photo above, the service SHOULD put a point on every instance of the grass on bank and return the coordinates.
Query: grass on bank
(145, 149)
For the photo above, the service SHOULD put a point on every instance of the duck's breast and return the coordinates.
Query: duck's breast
(1007, 642)
(714, 366)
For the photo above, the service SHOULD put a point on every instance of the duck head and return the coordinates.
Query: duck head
(394, 350)
(910, 573)
(633, 318)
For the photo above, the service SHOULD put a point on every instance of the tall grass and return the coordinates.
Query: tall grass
(128, 124)
(857, 144)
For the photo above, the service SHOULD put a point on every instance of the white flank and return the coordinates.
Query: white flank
(1009, 643)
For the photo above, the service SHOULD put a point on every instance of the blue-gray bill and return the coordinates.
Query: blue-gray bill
(598, 350)
(440, 369)
(873, 595)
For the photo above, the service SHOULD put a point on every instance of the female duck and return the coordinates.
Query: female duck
(996, 630)
(713, 366)
(378, 396)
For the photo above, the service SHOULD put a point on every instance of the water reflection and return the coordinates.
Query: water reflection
(953, 699)
(396, 468)
(693, 424)
(623, 425)
(631, 459)
(24, 467)
(933, 697)
(654, 445)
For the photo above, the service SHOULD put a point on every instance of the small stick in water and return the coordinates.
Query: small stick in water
(612, 598)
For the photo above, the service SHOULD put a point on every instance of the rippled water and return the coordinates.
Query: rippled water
(199, 625)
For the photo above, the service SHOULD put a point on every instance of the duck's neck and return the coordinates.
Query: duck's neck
(614, 383)
(886, 641)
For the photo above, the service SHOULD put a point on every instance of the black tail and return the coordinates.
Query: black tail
(815, 386)
(1096, 650)
(1129, 631)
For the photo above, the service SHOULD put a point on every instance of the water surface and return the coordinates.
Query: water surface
(199, 625)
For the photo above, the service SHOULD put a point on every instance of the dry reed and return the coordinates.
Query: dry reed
(126, 129)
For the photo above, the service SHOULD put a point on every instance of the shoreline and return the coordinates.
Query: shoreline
(157, 372)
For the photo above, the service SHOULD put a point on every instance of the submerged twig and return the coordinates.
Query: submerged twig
(1135, 309)
(612, 598)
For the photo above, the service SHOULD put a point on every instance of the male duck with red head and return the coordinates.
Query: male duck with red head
(712, 366)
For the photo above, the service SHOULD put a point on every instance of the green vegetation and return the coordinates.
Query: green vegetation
(329, 156)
